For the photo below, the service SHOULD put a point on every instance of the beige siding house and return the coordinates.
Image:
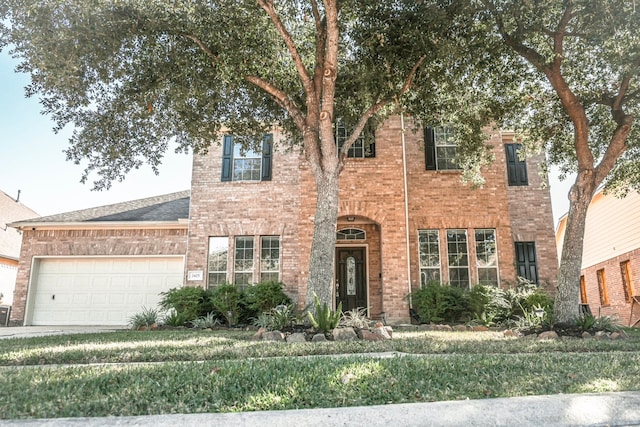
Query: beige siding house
(611, 257)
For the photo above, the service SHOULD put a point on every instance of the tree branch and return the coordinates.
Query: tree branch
(281, 98)
(203, 47)
(303, 73)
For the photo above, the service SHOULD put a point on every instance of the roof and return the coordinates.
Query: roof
(164, 208)
(11, 210)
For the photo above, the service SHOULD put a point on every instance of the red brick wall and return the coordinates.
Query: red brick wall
(372, 191)
(619, 307)
(89, 242)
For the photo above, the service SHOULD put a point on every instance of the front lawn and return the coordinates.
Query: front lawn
(204, 371)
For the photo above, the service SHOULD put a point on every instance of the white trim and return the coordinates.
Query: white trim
(182, 223)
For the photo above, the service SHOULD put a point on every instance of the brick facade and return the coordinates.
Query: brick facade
(372, 199)
(90, 242)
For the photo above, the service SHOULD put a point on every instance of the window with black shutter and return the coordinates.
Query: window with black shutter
(440, 148)
(241, 163)
(516, 168)
(361, 148)
(526, 262)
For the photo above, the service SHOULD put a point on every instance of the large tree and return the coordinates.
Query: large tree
(133, 75)
(576, 65)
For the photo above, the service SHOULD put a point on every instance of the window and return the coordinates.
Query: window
(458, 258)
(243, 262)
(441, 151)
(245, 164)
(526, 263)
(351, 234)
(269, 258)
(486, 256)
(602, 287)
(217, 264)
(583, 291)
(516, 168)
(360, 148)
(627, 283)
(429, 248)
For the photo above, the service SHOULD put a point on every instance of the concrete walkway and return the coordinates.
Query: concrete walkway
(605, 409)
(563, 410)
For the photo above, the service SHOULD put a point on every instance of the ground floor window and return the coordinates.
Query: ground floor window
(583, 291)
(602, 287)
(486, 256)
(217, 264)
(458, 257)
(270, 258)
(249, 264)
(627, 282)
(429, 248)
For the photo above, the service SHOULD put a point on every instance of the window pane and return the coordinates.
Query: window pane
(269, 258)
(247, 163)
(217, 263)
(446, 149)
(486, 256)
(243, 262)
(458, 258)
(429, 251)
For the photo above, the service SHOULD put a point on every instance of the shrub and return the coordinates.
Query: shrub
(440, 303)
(263, 297)
(324, 319)
(189, 302)
(175, 319)
(226, 300)
(487, 305)
(355, 318)
(204, 322)
(145, 319)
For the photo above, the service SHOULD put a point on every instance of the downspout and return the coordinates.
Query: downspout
(406, 205)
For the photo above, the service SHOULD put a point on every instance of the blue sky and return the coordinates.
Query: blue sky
(32, 160)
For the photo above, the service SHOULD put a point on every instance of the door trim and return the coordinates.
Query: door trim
(364, 246)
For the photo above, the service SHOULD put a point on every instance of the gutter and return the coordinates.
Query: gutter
(406, 205)
(26, 225)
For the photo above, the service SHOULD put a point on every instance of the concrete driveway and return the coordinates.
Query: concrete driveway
(41, 331)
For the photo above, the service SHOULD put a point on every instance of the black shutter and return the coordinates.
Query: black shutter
(267, 150)
(516, 168)
(429, 149)
(370, 150)
(227, 157)
(526, 263)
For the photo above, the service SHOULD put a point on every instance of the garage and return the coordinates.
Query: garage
(98, 290)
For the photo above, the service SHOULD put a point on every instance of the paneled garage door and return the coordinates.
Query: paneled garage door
(99, 291)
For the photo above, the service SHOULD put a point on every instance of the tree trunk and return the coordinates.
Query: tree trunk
(321, 263)
(567, 301)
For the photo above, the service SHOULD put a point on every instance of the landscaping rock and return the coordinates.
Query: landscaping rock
(273, 336)
(445, 328)
(586, 335)
(318, 338)
(297, 337)
(510, 333)
(367, 335)
(479, 328)
(389, 330)
(344, 334)
(548, 335)
(620, 335)
(460, 328)
(258, 335)
(382, 332)
(601, 335)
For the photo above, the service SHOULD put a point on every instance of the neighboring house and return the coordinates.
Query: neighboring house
(611, 256)
(405, 218)
(10, 239)
(100, 266)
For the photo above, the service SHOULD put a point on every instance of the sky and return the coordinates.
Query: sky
(32, 160)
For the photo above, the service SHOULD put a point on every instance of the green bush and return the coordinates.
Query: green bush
(278, 318)
(263, 297)
(205, 322)
(440, 303)
(173, 318)
(147, 318)
(487, 305)
(226, 299)
(324, 319)
(188, 302)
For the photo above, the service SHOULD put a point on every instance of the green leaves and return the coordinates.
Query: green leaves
(324, 319)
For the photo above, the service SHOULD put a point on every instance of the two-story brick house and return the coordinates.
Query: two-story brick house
(405, 218)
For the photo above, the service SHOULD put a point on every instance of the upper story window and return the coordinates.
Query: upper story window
(360, 148)
(244, 164)
(516, 168)
(441, 151)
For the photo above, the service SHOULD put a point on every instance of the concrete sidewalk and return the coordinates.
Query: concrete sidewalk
(606, 409)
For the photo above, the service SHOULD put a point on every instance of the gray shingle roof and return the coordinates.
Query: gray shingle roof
(167, 207)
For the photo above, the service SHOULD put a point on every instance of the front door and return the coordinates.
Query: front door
(351, 281)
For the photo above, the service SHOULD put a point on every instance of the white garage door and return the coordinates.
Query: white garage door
(100, 291)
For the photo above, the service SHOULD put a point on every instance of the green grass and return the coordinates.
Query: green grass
(223, 371)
